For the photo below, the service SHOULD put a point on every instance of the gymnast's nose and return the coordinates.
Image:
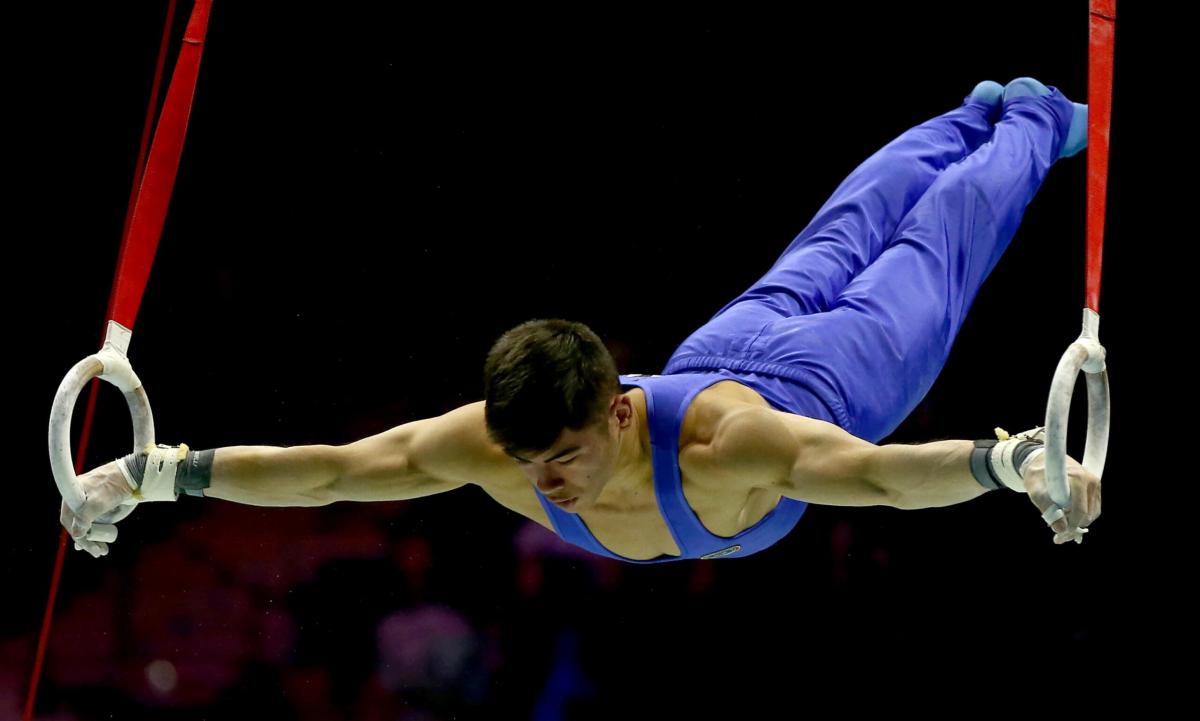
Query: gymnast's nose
(547, 483)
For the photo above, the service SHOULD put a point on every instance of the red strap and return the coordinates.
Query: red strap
(150, 211)
(1102, 27)
(143, 228)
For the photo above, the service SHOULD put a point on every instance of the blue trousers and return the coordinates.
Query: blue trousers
(862, 308)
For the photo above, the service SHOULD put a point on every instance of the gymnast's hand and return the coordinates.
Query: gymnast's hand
(1085, 498)
(105, 490)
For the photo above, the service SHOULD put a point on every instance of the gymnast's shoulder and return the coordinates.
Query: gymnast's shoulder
(732, 443)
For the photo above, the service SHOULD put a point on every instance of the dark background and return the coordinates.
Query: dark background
(369, 196)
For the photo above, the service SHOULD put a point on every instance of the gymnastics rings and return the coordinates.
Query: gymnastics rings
(110, 364)
(1087, 355)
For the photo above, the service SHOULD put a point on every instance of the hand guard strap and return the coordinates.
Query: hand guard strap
(163, 472)
(1002, 463)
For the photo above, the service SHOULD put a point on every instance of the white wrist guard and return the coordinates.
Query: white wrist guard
(1002, 463)
(158, 479)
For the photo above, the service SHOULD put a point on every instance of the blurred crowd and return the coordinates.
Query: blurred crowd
(359, 611)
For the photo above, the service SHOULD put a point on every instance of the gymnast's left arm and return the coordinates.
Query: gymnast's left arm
(818, 462)
(943, 473)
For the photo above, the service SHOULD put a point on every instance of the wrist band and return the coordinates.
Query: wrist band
(195, 473)
(981, 465)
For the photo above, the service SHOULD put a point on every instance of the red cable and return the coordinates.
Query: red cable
(150, 211)
(1102, 25)
(154, 178)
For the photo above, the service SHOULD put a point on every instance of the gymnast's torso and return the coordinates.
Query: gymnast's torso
(635, 529)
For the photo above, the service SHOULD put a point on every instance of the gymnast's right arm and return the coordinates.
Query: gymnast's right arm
(419, 458)
(409, 461)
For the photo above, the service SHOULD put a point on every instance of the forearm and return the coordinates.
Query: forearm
(274, 476)
(928, 475)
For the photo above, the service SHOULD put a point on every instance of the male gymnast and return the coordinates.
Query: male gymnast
(777, 402)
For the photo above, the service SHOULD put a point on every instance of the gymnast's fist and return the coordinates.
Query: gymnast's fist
(107, 498)
(1085, 497)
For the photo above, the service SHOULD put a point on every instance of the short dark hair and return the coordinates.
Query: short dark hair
(545, 376)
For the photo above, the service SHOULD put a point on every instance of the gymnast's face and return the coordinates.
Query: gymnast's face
(579, 465)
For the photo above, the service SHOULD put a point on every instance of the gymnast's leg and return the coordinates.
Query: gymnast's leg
(888, 333)
(855, 223)
(852, 227)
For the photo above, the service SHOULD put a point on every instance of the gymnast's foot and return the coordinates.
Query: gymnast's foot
(988, 91)
(1077, 136)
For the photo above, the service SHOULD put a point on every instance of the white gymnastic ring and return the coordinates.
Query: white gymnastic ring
(109, 364)
(1087, 355)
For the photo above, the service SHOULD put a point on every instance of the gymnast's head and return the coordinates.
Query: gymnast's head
(554, 404)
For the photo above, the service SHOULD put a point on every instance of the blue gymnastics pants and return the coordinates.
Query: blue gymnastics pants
(862, 308)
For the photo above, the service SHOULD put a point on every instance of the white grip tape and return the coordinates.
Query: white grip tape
(117, 370)
(158, 483)
(1005, 465)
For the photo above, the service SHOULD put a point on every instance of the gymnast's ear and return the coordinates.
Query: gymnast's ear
(622, 406)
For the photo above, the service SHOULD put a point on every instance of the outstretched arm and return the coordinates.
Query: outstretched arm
(378, 468)
(415, 459)
(811, 460)
(939, 474)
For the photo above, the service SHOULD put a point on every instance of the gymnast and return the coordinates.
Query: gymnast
(776, 402)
